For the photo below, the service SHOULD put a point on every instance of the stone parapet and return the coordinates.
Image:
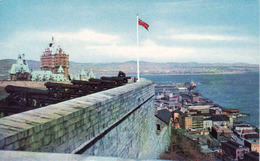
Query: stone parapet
(117, 122)
(39, 156)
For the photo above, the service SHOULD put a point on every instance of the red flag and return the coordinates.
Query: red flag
(142, 23)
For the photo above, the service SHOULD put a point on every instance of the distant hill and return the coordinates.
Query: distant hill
(129, 67)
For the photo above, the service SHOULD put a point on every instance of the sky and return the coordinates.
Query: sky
(223, 31)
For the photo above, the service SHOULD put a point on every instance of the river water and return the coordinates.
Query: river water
(240, 91)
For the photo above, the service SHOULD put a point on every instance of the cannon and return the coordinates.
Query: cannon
(17, 89)
(121, 74)
(62, 90)
(28, 97)
(119, 80)
(89, 87)
(106, 84)
(23, 98)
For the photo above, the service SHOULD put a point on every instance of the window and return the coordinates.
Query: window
(158, 127)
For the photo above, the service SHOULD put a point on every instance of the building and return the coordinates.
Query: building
(222, 120)
(251, 136)
(176, 122)
(252, 144)
(220, 132)
(234, 150)
(20, 71)
(195, 98)
(52, 60)
(203, 108)
(48, 76)
(207, 123)
(82, 76)
(215, 111)
(251, 156)
(185, 122)
(194, 121)
(164, 118)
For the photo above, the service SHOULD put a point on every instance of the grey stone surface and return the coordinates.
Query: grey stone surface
(68, 126)
(39, 156)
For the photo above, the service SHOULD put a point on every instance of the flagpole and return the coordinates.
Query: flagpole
(137, 45)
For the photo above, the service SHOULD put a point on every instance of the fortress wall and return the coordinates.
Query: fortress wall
(118, 122)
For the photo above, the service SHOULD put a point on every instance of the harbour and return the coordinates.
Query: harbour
(212, 128)
(223, 90)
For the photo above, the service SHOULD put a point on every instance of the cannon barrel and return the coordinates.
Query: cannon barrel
(17, 89)
(102, 81)
(117, 79)
(80, 82)
(52, 85)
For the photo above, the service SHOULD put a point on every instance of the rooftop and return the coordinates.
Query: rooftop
(234, 145)
(164, 115)
(219, 118)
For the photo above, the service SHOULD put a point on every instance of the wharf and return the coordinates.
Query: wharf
(165, 86)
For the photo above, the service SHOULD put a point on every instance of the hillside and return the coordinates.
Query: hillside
(129, 67)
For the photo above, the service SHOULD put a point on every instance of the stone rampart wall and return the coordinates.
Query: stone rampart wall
(118, 122)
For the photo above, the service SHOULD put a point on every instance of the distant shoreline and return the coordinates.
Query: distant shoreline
(224, 73)
(203, 73)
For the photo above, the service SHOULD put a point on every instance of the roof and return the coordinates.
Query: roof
(253, 154)
(164, 115)
(234, 145)
(177, 111)
(252, 136)
(219, 118)
(82, 72)
(205, 149)
(60, 70)
(221, 129)
(207, 119)
(20, 66)
(91, 74)
(253, 141)
(40, 75)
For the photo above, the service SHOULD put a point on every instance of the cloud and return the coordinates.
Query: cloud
(208, 37)
(151, 51)
(148, 50)
(87, 35)
(88, 46)
(187, 3)
(208, 33)
(33, 42)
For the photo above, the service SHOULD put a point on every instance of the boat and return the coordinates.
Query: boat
(181, 88)
(193, 84)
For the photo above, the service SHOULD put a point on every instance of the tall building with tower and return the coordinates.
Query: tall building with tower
(54, 59)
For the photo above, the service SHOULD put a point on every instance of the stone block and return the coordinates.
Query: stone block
(47, 140)
(60, 133)
(22, 142)
(2, 143)
(39, 135)
(10, 139)
(9, 147)
(47, 125)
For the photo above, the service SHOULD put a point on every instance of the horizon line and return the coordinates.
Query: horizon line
(144, 62)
